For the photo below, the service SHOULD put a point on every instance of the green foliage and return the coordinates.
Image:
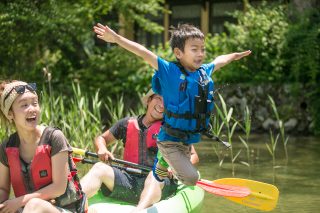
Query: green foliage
(58, 35)
(284, 49)
(303, 59)
(261, 30)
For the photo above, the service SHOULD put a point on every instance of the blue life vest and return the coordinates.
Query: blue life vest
(192, 114)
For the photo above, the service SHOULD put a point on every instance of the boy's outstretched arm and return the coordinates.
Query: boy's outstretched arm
(223, 60)
(108, 35)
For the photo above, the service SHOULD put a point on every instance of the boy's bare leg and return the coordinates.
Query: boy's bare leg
(98, 174)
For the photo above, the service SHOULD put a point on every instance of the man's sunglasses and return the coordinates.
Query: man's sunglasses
(32, 87)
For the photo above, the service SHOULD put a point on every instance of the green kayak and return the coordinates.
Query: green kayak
(188, 199)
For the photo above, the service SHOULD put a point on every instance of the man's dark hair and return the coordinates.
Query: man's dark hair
(181, 33)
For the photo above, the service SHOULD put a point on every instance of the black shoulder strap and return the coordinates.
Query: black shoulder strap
(12, 140)
(182, 69)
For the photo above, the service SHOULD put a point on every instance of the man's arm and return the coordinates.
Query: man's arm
(108, 35)
(101, 142)
(223, 60)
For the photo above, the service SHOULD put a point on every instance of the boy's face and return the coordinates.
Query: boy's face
(193, 55)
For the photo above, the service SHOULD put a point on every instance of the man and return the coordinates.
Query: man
(139, 135)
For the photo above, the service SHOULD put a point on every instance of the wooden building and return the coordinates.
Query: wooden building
(208, 15)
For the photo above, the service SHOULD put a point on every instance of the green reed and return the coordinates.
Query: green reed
(226, 114)
(224, 121)
(272, 150)
(245, 142)
(217, 126)
(77, 115)
(284, 138)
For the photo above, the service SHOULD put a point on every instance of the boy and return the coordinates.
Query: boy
(187, 91)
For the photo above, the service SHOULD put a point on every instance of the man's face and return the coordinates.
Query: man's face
(155, 107)
(193, 55)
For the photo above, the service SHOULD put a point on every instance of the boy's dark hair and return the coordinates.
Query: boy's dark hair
(181, 33)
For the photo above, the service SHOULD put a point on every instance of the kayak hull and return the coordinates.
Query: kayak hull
(188, 199)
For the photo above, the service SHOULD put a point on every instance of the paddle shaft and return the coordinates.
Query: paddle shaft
(128, 169)
(209, 135)
(92, 154)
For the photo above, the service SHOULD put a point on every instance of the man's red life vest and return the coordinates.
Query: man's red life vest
(138, 142)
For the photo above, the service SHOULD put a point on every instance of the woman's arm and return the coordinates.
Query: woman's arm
(4, 183)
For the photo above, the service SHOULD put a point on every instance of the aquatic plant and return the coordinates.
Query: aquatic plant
(245, 142)
(284, 139)
(226, 114)
(272, 150)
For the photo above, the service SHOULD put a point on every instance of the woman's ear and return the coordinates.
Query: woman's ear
(10, 116)
(177, 52)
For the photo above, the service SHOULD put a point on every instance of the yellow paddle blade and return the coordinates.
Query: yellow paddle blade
(78, 151)
(263, 196)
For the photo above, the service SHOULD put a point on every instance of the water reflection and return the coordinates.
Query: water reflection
(298, 182)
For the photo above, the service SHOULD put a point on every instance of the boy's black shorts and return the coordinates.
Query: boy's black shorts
(128, 187)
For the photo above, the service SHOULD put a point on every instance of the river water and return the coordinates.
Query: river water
(298, 180)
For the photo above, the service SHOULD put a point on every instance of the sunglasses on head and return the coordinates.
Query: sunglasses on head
(32, 87)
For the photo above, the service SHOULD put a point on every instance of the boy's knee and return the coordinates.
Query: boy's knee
(190, 179)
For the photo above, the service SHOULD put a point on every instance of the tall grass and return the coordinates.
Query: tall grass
(226, 114)
(77, 115)
(225, 121)
(245, 141)
(217, 126)
(272, 150)
(284, 138)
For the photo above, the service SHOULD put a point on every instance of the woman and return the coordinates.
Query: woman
(35, 160)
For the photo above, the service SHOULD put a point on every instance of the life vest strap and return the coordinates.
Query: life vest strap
(187, 115)
(178, 133)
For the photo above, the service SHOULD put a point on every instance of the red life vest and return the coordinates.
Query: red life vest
(38, 174)
(138, 142)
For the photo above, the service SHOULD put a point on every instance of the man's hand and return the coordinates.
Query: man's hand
(104, 154)
(105, 33)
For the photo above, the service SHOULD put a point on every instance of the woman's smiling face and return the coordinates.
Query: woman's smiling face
(25, 110)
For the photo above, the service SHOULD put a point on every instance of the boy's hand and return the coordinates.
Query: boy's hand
(242, 54)
(105, 33)
(223, 60)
